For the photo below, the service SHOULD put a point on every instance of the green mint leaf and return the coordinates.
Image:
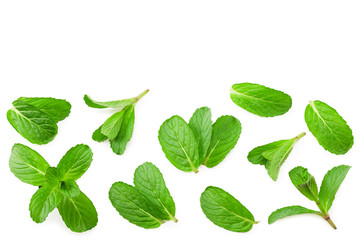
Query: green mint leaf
(34, 125)
(331, 184)
(225, 211)
(289, 211)
(27, 165)
(69, 188)
(43, 202)
(57, 109)
(201, 124)
(112, 125)
(179, 144)
(53, 176)
(225, 134)
(134, 206)
(78, 213)
(113, 104)
(260, 100)
(118, 145)
(273, 155)
(98, 136)
(328, 127)
(75, 162)
(149, 181)
(304, 182)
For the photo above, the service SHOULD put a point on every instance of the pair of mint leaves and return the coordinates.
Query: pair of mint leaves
(187, 146)
(227, 212)
(57, 185)
(323, 121)
(118, 128)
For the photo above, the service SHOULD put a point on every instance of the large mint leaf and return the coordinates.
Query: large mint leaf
(112, 125)
(28, 165)
(179, 144)
(289, 211)
(260, 100)
(118, 145)
(75, 162)
(135, 207)
(330, 185)
(43, 202)
(34, 125)
(329, 128)
(201, 125)
(225, 134)
(225, 211)
(149, 181)
(57, 109)
(305, 183)
(78, 213)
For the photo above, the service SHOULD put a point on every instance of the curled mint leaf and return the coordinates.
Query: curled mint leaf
(304, 182)
(289, 211)
(260, 100)
(36, 118)
(225, 211)
(328, 127)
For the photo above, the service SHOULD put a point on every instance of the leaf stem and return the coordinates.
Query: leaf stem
(298, 137)
(142, 94)
(325, 214)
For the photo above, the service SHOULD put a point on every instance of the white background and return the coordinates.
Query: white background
(188, 53)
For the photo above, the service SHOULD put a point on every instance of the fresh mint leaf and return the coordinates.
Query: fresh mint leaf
(328, 127)
(273, 155)
(201, 125)
(27, 165)
(289, 211)
(69, 189)
(149, 181)
(35, 118)
(53, 176)
(57, 109)
(78, 213)
(75, 162)
(98, 136)
(260, 100)
(43, 202)
(119, 127)
(118, 145)
(225, 211)
(135, 207)
(179, 144)
(304, 182)
(331, 184)
(225, 134)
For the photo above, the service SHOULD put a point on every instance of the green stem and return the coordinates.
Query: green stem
(142, 94)
(298, 137)
(325, 214)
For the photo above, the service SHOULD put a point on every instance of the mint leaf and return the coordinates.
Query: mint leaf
(43, 202)
(135, 207)
(27, 165)
(179, 144)
(98, 136)
(260, 100)
(331, 184)
(118, 144)
(75, 162)
(225, 134)
(304, 182)
(57, 109)
(149, 181)
(78, 213)
(225, 211)
(36, 126)
(69, 189)
(289, 211)
(112, 125)
(35, 118)
(53, 176)
(201, 125)
(273, 155)
(328, 127)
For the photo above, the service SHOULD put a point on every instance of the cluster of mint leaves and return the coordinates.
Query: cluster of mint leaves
(148, 203)
(188, 145)
(57, 185)
(118, 128)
